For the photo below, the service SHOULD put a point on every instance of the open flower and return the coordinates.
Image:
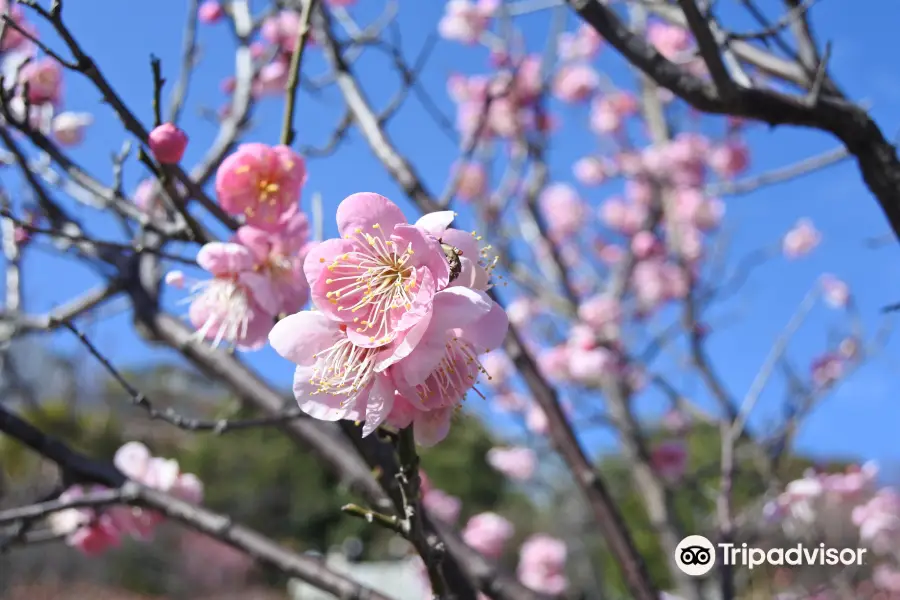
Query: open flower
(380, 277)
(261, 182)
(238, 304)
(85, 529)
(515, 463)
(488, 533)
(279, 257)
(334, 379)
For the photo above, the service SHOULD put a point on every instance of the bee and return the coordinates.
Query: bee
(452, 253)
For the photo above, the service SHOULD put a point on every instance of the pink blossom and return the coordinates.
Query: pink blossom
(827, 369)
(472, 181)
(279, 257)
(592, 366)
(85, 529)
(210, 12)
(175, 278)
(515, 463)
(669, 459)
(639, 191)
(272, 77)
(835, 291)
(237, 304)
(676, 421)
(68, 127)
(575, 83)
(729, 159)
(801, 240)
(655, 282)
(694, 208)
(609, 111)
(563, 209)
(442, 506)
(488, 533)
(379, 279)
(623, 217)
(536, 420)
(14, 39)
(671, 41)
(554, 363)
(510, 402)
(44, 79)
(521, 310)
(168, 143)
(261, 182)
(334, 378)
(590, 171)
(644, 244)
(281, 30)
(464, 21)
(602, 312)
(542, 564)
(583, 44)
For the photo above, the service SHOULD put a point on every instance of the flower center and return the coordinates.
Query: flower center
(375, 277)
(454, 376)
(345, 369)
(228, 305)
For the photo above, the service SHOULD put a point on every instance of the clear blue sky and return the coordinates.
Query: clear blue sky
(860, 420)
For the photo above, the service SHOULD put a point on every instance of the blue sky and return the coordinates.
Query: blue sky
(859, 420)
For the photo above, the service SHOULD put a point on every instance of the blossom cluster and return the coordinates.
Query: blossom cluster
(401, 314)
(837, 504)
(93, 531)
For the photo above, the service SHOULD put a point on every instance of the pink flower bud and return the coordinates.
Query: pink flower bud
(168, 142)
(210, 12)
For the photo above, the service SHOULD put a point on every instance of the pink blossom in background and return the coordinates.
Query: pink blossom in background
(488, 534)
(671, 41)
(609, 111)
(281, 30)
(44, 79)
(515, 463)
(175, 279)
(729, 159)
(575, 83)
(380, 277)
(563, 209)
(237, 304)
(827, 369)
(645, 244)
(498, 367)
(472, 181)
(464, 21)
(621, 216)
(210, 12)
(669, 459)
(835, 291)
(522, 310)
(553, 363)
(262, 183)
(14, 39)
(582, 44)
(536, 420)
(85, 529)
(676, 421)
(510, 402)
(801, 240)
(442, 506)
(272, 77)
(600, 311)
(168, 143)
(592, 366)
(542, 565)
(68, 127)
(590, 171)
(279, 257)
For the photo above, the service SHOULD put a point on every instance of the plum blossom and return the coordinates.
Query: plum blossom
(583, 44)
(14, 39)
(498, 367)
(801, 240)
(281, 30)
(279, 257)
(516, 463)
(272, 77)
(464, 21)
(563, 209)
(835, 291)
(536, 420)
(210, 12)
(575, 83)
(590, 171)
(827, 369)
(334, 378)
(488, 533)
(671, 41)
(442, 505)
(238, 303)
(669, 459)
(542, 564)
(85, 529)
(44, 80)
(168, 143)
(472, 181)
(68, 127)
(600, 311)
(729, 159)
(380, 277)
(261, 182)
(609, 111)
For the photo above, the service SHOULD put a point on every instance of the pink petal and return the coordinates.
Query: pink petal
(457, 307)
(433, 426)
(133, 459)
(300, 336)
(488, 332)
(380, 403)
(365, 209)
(437, 222)
(325, 407)
(221, 258)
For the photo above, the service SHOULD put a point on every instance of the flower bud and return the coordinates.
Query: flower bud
(168, 142)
